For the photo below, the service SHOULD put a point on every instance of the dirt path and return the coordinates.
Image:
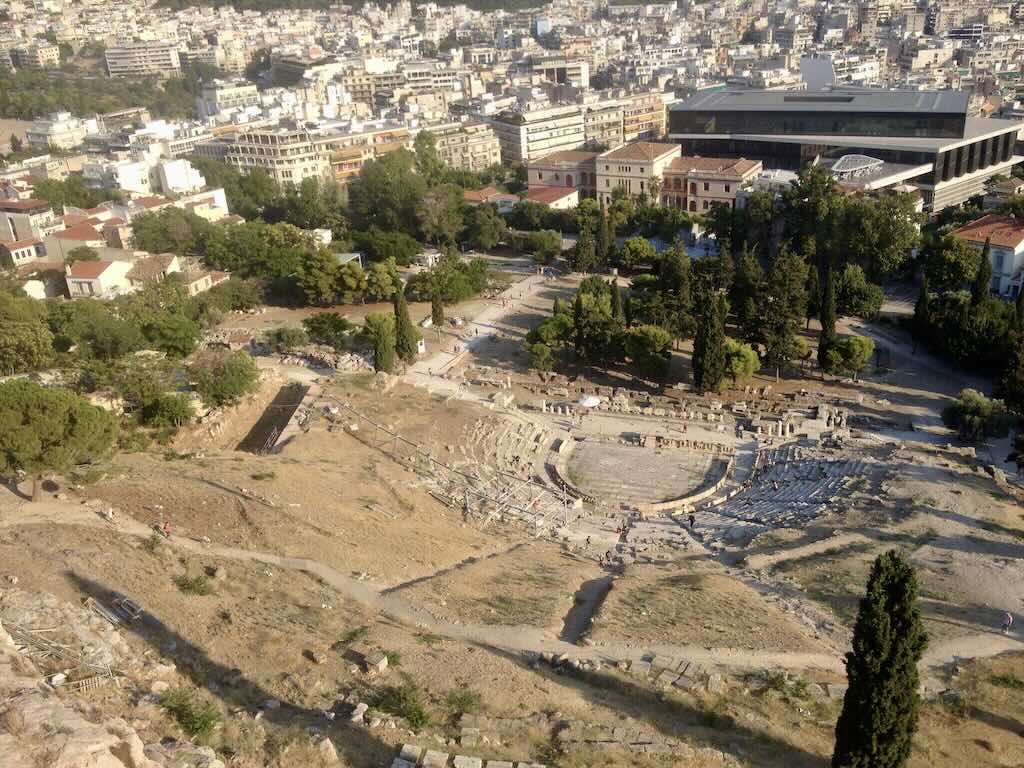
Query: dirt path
(516, 639)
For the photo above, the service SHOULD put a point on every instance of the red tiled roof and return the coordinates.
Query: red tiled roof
(720, 165)
(29, 204)
(71, 219)
(549, 195)
(566, 156)
(479, 195)
(1005, 231)
(153, 201)
(115, 221)
(88, 270)
(641, 150)
(15, 245)
(83, 232)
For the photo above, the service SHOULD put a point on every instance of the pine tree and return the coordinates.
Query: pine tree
(983, 278)
(436, 310)
(880, 710)
(709, 345)
(405, 334)
(828, 316)
(618, 314)
(783, 308)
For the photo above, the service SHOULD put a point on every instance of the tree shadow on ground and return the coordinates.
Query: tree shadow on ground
(700, 724)
(999, 722)
(357, 747)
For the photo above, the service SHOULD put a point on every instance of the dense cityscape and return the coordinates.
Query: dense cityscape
(505, 385)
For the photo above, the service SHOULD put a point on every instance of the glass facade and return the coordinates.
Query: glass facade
(806, 120)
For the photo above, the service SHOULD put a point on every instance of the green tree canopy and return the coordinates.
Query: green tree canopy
(49, 430)
(741, 362)
(223, 378)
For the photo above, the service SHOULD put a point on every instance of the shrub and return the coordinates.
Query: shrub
(166, 411)
(197, 719)
(1008, 680)
(285, 339)
(406, 701)
(974, 416)
(194, 585)
(462, 700)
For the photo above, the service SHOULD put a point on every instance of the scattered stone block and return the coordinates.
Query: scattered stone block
(411, 753)
(358, 713)
(375, 662)
(498, 764)
(640, 668)
(467, 762)
(666, 678)
(435, 759)
(716, 684)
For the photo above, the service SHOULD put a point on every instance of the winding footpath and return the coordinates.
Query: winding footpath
(508, 639)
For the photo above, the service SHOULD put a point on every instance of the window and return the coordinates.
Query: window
(998, 261)
(706, 186)
(540, 175)
(693, 188)
(607, 183)
(641, 186)
(705, 205)
(728, 187)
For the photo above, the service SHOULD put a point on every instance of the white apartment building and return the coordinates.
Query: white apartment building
(288, 155)
(60, 131)
(143, 58)
(526, 136)
(557, 69)
(224, 95)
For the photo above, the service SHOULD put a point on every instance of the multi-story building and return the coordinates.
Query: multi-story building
(636, 169)
(222, 95)
(602, 125)
(468, 146)
(143, 58)
(287, 154)
(569, 168)
(347, 151)
(27, 220)
(643, 117)
(557, 69)
(695, 184)
(1004, 237)
(528, 135)
(924, 138)
(59, 131)
(36, 56)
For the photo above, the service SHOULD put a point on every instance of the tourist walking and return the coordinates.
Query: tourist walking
(692, 521)
(1007, 622)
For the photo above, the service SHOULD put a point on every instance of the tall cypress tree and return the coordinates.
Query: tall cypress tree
(405, 334)
(709, 345)
(436, 309)
(923, 309)
(880, 710)
(983, 279)
(577, 324)
(617, 311)
(603, 250)
(1019, 307)
(828, 316)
